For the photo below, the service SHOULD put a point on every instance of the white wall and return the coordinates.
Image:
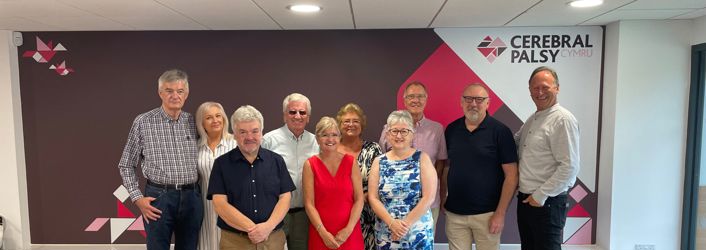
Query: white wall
(13, 181)
(644, 127)
(699, 30)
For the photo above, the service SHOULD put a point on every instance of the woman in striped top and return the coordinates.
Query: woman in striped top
(212, 124)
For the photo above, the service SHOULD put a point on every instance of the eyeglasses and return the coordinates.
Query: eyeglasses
(403, 132)
(417, 96)
(476, 99)
(294, 112)
(351, 122)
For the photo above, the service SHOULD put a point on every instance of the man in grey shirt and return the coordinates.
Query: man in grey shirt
(163, 142)
(548, 150)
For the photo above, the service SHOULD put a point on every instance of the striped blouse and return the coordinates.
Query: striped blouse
(210, 234)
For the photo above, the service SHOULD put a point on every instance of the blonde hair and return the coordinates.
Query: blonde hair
(201, 112)
(326, 123)
(352, 108)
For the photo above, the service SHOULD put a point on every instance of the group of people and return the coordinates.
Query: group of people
(332, 189)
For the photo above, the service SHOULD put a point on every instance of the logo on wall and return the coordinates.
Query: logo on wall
(45, 52)
(491, 48)
(538, 48)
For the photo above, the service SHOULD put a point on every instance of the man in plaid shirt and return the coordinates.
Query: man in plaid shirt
(163, 142)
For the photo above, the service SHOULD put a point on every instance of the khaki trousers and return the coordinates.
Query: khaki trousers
(236, 241)
(462, 230)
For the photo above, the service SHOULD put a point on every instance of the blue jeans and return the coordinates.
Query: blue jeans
(182, 214)
(541, 227)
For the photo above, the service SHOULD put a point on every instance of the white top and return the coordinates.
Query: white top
(548, 150)
(210, 234)
(295, 152)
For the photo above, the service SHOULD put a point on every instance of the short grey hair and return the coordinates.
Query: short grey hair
(400, 116)
(201, 112)
(173, 75)
(247, 113)
(296, 97)
(548, 69)
(324, 124)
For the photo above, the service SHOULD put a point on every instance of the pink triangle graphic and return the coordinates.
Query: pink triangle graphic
(582, 236)
(486, 51)
(497, 43)
(445, 75)
(41, 46)
(138, 225)
(578, 211)
(123, 212)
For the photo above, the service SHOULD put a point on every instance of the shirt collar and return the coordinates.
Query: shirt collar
(421, 122)
(548, 110)
(238, 155)
(167, 117)
(291, 135)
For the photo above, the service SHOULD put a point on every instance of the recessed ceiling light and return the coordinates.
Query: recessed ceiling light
(585, 3)
(304, 8)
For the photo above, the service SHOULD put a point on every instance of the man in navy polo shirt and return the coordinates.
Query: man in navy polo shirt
(482, 175)
(250, 188)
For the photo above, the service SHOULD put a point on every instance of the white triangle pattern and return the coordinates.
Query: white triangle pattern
(572, 225)
(118, 226)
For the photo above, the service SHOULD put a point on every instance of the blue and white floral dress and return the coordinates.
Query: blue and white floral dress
(400, 189)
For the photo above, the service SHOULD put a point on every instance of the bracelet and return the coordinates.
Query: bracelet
(319, 226)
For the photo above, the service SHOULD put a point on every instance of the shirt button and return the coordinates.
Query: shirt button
(254, 195)
(253, 181)
(255, 210)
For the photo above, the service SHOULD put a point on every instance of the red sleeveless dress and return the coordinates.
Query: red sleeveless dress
(333, 196)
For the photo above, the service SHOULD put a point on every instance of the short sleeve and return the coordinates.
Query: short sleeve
(507, 149)
(285, 181)
(216, 184)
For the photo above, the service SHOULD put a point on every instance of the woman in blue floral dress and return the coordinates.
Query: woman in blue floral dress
(401, 188)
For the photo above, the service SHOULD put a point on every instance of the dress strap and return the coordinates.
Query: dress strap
(417, 154)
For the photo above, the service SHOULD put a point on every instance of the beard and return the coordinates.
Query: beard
(473, 115)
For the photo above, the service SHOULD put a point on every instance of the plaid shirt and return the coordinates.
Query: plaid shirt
(165, 149)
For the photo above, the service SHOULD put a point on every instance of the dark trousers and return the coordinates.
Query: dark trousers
(182, 214)
(540, 227)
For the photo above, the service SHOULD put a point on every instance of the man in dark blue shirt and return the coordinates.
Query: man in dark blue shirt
(250, 188)
(482, 174)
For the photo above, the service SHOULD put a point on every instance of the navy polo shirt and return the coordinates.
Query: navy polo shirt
(475, 177)
(253, 189)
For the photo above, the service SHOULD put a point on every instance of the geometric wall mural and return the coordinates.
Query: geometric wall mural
(125, 219)
(44, 52)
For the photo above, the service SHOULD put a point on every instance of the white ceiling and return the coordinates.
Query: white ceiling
(70, 15)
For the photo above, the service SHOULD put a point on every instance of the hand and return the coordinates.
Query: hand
(398, 228)
(531, 202)
(328, 239)
(259, 233)
(148, 211)
(342, 235)
(496, 223)
(365, 197)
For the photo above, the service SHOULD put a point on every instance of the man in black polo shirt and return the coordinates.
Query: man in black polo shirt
(482, 174)
(250, 188)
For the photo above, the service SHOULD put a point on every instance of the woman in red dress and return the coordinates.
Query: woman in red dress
(333, 193)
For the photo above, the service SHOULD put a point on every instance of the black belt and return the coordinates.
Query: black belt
(295, 210)
(172, 186)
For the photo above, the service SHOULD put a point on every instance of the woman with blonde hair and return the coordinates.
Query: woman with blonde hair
(333, 194)
(212, 125)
